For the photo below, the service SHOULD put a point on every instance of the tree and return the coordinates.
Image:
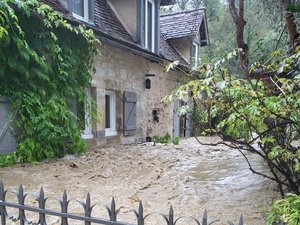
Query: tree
(253, 116)
(290, 23)
(240, 23)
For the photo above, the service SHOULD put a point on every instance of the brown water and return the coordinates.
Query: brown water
(191, 177)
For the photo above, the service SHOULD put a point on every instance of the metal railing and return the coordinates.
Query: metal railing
(86, 217)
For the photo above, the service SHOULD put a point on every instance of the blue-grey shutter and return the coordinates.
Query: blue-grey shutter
(189, 121)
(129, 112)
(91, 11)
(176, 119)
(7, 120)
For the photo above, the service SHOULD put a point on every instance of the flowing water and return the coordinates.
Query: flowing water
(190, 177)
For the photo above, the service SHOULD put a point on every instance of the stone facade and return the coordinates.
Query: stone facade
(118, 70)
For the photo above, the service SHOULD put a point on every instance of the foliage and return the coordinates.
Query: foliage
(264, 31)
(164, 139)
(286, 210)
(45, 63)
(7, 160)
(176, 140)
(257, 115)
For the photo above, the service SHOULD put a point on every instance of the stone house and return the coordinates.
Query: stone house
(136, 44)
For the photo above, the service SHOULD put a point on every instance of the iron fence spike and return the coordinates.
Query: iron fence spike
(88, 201)
(42, 201)
(42, 194)
(171, 216)
(2, 191)
(65, 196)
(204, 220)
(141, 214)
(113, 213)
(64, 207)
(87, 208)
(241, 222)
(113, 204)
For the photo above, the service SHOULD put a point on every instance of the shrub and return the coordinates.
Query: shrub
(286, 210)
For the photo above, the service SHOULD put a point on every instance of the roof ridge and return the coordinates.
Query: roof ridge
(181, 12)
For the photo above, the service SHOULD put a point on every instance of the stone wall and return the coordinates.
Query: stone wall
(120, 71)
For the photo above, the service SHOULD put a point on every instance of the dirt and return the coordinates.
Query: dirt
(190, 177)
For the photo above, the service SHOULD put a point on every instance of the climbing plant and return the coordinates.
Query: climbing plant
(45, 63)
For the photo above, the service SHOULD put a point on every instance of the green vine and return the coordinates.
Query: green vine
(45, 62)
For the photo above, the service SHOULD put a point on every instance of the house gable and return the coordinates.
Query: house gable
(186, 32)
(126, 11)
(114, 26)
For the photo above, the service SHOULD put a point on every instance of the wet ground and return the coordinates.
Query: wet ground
(190, 177)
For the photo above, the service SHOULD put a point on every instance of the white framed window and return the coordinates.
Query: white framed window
(81, 9)
(195, 54)
(150, 25)
(110, 113)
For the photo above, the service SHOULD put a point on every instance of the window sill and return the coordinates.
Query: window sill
(109, 133)
(78, 17)
(87, 136)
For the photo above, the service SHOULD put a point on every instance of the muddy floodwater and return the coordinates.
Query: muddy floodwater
(190, 177)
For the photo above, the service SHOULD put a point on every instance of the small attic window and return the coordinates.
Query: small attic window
(81, 9)
(195, 54)
(150, 25)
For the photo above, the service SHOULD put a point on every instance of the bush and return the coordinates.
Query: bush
(165, 139)
(176, 140)
(286, 210)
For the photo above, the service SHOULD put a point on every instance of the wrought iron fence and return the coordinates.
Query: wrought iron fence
(86, 217)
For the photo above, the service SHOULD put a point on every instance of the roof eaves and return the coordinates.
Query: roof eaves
(167, 2)
(181, 12)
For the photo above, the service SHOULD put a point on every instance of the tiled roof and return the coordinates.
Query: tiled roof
(182, 24)
(106, 20)
(172, 26)
(167, 2)
(56, 5)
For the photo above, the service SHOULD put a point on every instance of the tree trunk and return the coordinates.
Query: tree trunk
(240, 23)
(291, 25)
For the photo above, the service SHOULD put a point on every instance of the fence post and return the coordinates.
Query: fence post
(88, 208)
(64, 207)
(141, 214)
(171, 216)
(204, 220)
(241, 222)
(21, 201)
(113, 213)
(42, 202)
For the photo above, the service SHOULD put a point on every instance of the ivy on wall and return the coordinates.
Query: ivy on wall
(44, 62)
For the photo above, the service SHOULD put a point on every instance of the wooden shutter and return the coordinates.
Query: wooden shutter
(176, 119)
(7, 120)
(129, 113)
(188, 121)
